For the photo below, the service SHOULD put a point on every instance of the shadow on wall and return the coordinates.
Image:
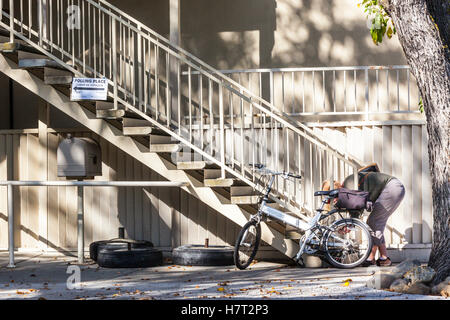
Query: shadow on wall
(154, 14)
(289, 33)
(229, 33)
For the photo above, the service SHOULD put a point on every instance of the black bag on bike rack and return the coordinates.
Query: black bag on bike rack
(353, 200)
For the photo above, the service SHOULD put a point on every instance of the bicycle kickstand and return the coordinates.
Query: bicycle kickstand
(299, 261)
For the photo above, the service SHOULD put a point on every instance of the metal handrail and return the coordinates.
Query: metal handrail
(127, 64)
(301, 69)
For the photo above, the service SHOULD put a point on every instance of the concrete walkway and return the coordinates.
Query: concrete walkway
(44, 276)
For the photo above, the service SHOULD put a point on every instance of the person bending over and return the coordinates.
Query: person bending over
(386, 192)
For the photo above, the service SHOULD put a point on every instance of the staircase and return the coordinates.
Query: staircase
(168, 109)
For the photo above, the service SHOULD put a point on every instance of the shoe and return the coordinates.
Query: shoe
(384, 262)
(368, 263)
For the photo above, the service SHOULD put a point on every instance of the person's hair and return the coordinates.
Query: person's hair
(326, 187)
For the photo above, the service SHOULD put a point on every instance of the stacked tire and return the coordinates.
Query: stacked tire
(125, 253)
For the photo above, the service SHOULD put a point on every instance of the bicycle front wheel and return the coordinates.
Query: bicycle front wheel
(348, 244)
(247, 244)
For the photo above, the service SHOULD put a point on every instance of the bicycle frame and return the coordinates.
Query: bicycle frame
(275, 214)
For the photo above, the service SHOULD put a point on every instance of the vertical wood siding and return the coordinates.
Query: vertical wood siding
(166, 216)
(170, 217)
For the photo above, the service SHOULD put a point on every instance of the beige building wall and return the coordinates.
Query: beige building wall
(235, 34)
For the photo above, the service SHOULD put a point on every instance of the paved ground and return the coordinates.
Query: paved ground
(44, 276)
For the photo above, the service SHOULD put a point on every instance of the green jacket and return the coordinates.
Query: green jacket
(372, 182)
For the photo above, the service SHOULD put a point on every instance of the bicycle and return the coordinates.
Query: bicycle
(345, 243)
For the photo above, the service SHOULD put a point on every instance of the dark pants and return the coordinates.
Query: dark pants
(387, 202)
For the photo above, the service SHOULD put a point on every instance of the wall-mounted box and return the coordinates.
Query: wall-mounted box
(79, 158)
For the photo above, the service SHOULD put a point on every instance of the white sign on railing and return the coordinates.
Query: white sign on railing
(89, 89)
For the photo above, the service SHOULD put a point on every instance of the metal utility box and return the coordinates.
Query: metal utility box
(79, 158)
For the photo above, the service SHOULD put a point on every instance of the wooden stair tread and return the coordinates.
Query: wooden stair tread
(13, 47)
(110, 114)
(165, 147)
(219, 182)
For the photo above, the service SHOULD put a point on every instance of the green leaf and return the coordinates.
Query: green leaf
(389, 32)
(421, 105)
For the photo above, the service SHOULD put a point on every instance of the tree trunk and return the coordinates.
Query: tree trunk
(427, 55)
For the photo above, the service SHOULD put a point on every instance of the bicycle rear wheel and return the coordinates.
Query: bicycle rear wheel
(247, 244)
(348, 244)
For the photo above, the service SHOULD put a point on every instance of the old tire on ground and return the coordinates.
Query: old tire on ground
(95, 247)
(198, 255)
(133, 258)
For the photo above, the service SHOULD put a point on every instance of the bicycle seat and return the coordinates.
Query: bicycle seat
(331, 193)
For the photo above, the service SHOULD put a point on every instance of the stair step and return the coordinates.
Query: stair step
(219, 182)
(213, 174)
(245, 199)
(12, 47)
(105, 110)
(29, 60)
(137, 131)
(110, 114)
(160, 137)
(243, 195)
(107, 105)
(213, 178)
(242, 191)
(37, 63)
(55, 76)
(191, 165)
(165, 147)
(138, 127)
(192, 161)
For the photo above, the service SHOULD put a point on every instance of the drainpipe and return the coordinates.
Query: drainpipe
(11, 104)
(10, 226)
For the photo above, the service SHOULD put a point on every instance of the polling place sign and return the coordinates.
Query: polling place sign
(89, 89)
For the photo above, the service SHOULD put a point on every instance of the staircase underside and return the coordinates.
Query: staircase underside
(135, 148)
